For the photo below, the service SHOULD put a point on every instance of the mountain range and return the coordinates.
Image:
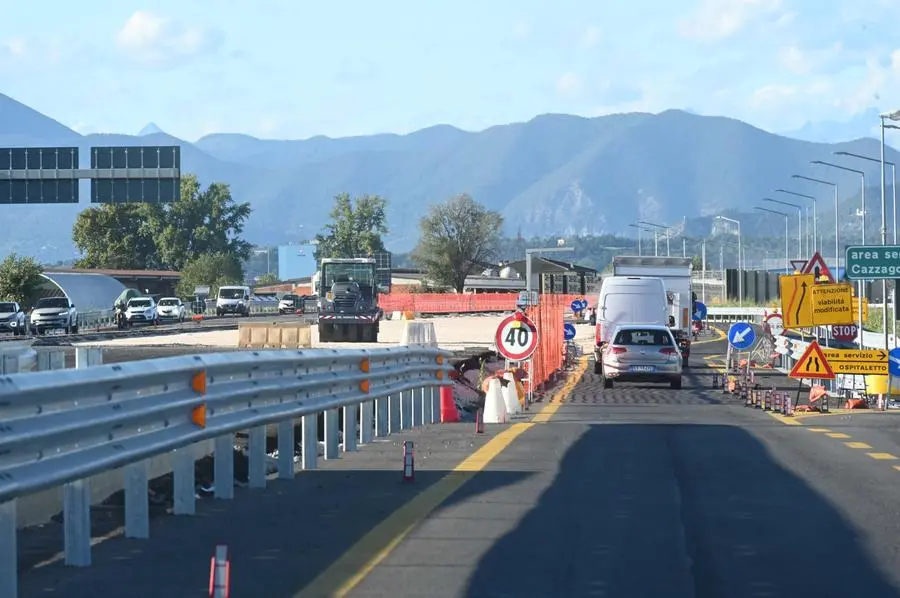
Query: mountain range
(556, 174)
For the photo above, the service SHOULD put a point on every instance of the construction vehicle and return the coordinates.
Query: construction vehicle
(675, 273)
(347, 291)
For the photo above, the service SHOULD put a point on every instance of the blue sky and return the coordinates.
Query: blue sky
(293, 68)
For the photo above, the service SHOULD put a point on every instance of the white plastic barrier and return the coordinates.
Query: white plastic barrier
(416, 332)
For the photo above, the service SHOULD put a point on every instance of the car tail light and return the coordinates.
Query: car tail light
(668, 351)
(619, 350)
(597, 335)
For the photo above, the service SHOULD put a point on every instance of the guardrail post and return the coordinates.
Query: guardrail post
(77, 522)
(406, 410)
(9, 577)
(137, 501)
(184, 499)
(256, 457)
(415, 398)
(223, 467)
(286, 444)
(366, 421)
(332, 448)
(435, 404)
(426, 406)
(310, 454)
(381, 417)
(88, 357)
(9, 364)
(395, 406)
(350, 431)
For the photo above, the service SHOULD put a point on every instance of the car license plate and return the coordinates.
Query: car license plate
(642, 368)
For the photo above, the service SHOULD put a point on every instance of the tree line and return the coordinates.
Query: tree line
(456, 236)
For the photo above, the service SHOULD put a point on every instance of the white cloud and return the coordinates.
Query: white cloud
(804, 62)
(591, 36)
(720, 19)
(156, 41)
(569, 84)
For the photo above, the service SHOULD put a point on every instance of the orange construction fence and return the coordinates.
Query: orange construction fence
(548, 357)
(449, 303)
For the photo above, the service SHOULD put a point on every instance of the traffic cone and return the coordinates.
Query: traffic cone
(494, 405)
(449, 412)
(510, 396)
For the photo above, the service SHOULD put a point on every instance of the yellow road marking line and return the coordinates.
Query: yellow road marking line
(882, 456)
(837, 435)
(788, 421)
(361, 559)
(897, 467)
(818, 429)
(857, 445)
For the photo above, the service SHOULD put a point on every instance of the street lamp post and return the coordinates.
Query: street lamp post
(894, 115)
(863, 235)
(639, 229)
(740, 269)
(787, 263)
(666, 228)
(799, 223)
(815, 216)
(837, 250)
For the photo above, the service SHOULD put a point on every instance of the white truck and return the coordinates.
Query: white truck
(675, 273)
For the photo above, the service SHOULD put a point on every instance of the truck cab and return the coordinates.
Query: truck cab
(347, 291)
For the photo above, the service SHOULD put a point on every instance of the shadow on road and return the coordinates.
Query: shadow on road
(678, 510)
(279, 539)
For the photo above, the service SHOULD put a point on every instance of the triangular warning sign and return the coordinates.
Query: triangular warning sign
(812, 364)
(816, 266)
(798, 265)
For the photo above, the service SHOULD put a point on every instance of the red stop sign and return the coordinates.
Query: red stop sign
(844, 332)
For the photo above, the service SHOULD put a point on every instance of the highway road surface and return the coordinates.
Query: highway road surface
(638, 491)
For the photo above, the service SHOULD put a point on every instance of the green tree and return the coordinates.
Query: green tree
(117, 236)
(457, 236)
(213, 269)
(356, 228)
(20, 278)
(201, 222)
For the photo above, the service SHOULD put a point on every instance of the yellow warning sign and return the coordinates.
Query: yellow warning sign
(796, 300)
(865, 307)
(833, 304)
(855, 361)
(812, 364)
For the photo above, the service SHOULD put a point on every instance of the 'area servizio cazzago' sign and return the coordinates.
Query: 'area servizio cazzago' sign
(873, 262)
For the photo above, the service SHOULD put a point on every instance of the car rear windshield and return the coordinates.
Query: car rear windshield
(168, 301)
(139, 303)
(638, 336)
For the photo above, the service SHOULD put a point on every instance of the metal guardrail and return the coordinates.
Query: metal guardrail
(61, 427)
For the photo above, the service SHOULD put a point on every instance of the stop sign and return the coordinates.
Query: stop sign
(844, 332)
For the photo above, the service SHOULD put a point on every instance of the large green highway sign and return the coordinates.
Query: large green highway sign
(873, 262)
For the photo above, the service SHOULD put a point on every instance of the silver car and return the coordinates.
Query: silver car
(641, 353)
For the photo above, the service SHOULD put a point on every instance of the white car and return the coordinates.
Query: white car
(141, 310)
(171, 308)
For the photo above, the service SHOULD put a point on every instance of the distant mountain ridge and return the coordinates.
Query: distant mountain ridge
(555, 174)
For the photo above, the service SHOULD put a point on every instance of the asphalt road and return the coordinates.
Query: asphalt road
(637, 491)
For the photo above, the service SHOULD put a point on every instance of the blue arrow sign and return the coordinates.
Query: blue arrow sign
(576, 305)
(894, 361)
(741, 335)
(699, 311)
(569, 331)
(584, 304)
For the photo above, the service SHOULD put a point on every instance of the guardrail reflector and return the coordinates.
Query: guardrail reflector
(440, 374)
(364, 386)
(198, 415)
(198, 382)
(439, 359)
(364, 365)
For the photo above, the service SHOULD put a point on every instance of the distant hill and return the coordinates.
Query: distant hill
(553, 175)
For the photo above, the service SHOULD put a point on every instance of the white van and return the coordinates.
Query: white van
(628, 300)
(233, 300)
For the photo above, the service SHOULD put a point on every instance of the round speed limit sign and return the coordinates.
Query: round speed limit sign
(517, 337)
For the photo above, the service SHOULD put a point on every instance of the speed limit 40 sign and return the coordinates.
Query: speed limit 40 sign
(517, 337)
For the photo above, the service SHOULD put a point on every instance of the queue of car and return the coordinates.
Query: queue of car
(636, 331)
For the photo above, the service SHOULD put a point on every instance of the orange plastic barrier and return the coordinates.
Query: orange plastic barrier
(548, 358)
(450, 303)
